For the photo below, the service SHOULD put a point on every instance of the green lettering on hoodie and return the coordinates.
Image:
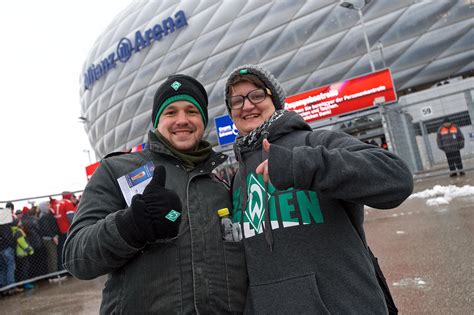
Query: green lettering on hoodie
(309, 206)
(290, 202)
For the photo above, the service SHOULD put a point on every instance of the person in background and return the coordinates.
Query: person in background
(299, 196)
(63, 211)
(37, 261)
(7, 251)
(23, 251)
(162, 249)
(451, 140)
(49, 232)
(373, 142)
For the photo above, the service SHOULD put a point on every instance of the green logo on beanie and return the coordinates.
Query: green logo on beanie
(175, 85)
(173, 215)
(243, 71)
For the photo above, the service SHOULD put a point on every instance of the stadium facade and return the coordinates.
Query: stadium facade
(305, 44)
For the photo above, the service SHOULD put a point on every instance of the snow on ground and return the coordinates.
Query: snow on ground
(442, 195)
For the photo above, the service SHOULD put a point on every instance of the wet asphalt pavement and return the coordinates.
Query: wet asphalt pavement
(426, 253)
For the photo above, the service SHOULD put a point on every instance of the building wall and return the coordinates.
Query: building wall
(306, 44)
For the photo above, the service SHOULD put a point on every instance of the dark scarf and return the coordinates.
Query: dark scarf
(190, 158)
(248, 141)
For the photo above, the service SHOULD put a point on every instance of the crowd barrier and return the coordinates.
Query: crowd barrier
(31, 255)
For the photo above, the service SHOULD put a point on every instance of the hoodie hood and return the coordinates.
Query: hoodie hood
(288, 123)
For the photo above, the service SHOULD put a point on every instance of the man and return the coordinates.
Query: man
(49, 232)
(451, 140)
(7, 250)
(37, 261)
(299, 196)
(162, 248)
(24, 250)
(63, 211)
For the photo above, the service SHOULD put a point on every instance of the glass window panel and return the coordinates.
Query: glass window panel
(241, 29)
(254, 49)
(465, 42)
(204, 46)
(335, 21)
(416, 20)
(223, 14)
(312, 7)
(217, 65)
(309, 58)
(353, 43)
(423, 50)
(296, 33)
(441, 68)
(284, 10)
(462, 10)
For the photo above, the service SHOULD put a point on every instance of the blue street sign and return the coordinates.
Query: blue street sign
(226, 130)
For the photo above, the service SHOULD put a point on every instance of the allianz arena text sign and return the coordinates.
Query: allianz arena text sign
(126, 47)
(344, 97)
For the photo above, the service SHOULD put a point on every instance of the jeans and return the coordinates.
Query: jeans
(7, 267)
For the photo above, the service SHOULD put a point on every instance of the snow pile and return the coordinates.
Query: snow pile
(416, 282)
(442, 195)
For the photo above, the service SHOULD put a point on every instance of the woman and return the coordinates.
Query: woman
(311, 188)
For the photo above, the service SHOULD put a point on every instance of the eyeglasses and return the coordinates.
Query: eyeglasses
(255, 97)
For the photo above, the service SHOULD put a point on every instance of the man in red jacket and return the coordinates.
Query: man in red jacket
(63, 211)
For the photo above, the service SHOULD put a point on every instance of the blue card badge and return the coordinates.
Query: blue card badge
(140, 175)
(135, 182)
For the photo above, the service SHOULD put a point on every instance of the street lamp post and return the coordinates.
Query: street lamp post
(350, 5)
(380, 47)
(88, 154)
(380, 103)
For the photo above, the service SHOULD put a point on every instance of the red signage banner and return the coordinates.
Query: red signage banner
(90, 169)
(344, 97)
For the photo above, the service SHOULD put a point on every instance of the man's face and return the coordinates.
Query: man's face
(182, 125)
(250, 115)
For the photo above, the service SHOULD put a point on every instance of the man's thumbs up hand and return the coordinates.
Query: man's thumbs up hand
(154, 214)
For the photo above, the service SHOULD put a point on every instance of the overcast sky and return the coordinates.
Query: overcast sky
(44, 45)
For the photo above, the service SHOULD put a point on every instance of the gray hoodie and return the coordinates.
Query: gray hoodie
(315, 260)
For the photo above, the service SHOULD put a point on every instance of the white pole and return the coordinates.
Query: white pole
(366, 40)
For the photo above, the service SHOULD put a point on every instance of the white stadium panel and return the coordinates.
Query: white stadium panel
(306, 44)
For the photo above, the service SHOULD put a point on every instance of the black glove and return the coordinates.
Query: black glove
(154, 214)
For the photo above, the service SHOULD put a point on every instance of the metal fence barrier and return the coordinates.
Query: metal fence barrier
(31, 254)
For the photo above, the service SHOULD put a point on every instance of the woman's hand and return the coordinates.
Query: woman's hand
(262, 168)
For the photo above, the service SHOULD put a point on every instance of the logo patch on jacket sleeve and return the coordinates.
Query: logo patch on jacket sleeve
(173, 215)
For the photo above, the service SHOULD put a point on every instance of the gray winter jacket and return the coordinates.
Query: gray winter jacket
(315, 260)
(197, 272)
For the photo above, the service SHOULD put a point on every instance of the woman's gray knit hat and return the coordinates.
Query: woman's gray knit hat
(278, 94)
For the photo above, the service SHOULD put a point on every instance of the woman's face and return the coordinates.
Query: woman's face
(250, 115)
